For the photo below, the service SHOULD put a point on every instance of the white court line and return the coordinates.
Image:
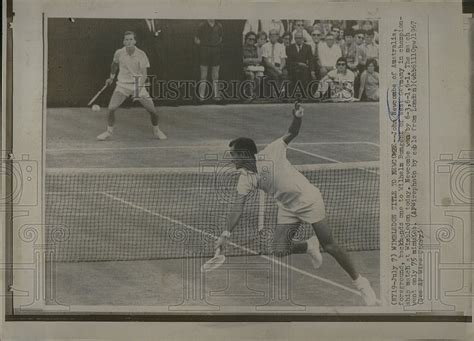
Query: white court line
(313, 154)
(87, 150)
(243, 248)
(326, 158)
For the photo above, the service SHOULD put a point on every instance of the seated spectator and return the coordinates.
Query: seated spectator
(371, 49)
(274, 57)
(316, 35)
(369, 82)
(250, 26)
(300, 60)
(328, 53)
(299, 27)
(338, 84)
(286, 39)
(261, 40)
(273, 24)
(251, 61)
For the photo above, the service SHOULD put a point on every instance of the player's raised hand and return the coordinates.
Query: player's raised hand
(298, 110)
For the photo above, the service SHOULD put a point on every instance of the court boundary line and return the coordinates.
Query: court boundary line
(95, 149)
(314, 154)
(243, 248)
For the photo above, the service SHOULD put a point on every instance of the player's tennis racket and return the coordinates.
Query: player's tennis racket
(97, 94)
(213, 263)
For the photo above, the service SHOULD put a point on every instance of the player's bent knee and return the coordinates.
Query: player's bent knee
(332, 248)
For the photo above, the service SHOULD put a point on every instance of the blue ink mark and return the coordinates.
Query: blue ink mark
(394, 116)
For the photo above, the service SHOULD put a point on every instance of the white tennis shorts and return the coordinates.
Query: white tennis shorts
(311, 212)
(129, 90)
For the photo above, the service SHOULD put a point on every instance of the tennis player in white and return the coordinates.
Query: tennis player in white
(131, 64)
(298, 201)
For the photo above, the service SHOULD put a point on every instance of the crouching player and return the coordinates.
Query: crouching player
(298, 201)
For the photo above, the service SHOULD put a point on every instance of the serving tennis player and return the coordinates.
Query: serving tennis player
(131, 64)
(298, 201)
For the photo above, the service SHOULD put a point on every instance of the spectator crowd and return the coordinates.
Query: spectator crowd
(342, 55)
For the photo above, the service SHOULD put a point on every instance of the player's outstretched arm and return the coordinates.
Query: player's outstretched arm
(295, 126)
(236, 210)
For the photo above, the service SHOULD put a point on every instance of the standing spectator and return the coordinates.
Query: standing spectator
(326, 26)
(149, 33)
(308, 25)
(369, 82)
(299, 27)
(348, 48)
(286, 39)
(273, 24)
(371, 49)
(209, 40)
(316, 35)
(328, 53)
(300, 60)
(361, 55)
(339, 83)
(274, 57)
(336, 32)
(341, 24)
(261, 40)
(358, 25)
(250, 26)
(369, 26)
(251, 61)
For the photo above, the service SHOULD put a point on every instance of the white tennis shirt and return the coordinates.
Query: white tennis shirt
(130, 65)
(276, 176)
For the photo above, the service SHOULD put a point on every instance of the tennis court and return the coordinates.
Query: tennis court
(141, 213)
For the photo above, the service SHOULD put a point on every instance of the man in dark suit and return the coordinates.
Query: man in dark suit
(150, 34)
(300, 60)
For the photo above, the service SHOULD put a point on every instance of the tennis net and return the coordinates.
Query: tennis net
(134, 214)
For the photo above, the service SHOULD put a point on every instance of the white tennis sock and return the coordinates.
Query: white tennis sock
(110, 129)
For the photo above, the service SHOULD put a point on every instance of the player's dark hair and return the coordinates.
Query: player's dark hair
(127, 33)
(246, 145)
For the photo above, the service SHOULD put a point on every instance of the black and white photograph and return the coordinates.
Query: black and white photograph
(220, 170)
(202, 165)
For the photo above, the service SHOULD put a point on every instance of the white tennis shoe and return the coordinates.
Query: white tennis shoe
(104, 136)
(368, 294)
(314, 252)
(158, 133)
